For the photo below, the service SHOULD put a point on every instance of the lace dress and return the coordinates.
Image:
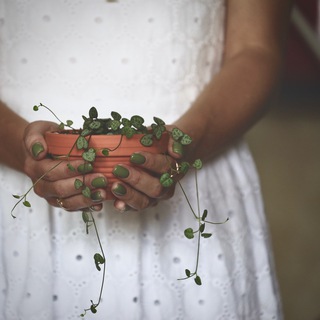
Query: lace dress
(136, 57)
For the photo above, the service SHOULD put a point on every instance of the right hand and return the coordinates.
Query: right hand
(57, 185)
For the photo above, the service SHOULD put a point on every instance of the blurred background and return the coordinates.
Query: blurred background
(286, 147)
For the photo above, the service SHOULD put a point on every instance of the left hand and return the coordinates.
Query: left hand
(140, 186)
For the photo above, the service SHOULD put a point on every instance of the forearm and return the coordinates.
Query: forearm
(231, 102)
(12, 128)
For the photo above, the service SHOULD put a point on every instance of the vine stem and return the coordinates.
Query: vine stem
(103, 255)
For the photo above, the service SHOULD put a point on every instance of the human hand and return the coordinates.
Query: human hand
(139, 185)
(57, 180)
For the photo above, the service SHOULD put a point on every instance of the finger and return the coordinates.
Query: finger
(80, 202)
(140, 180)
(130, 197)
(34, 138)
(157, 163)
(70, 186)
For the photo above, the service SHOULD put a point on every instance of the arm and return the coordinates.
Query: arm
(237, 96)
(231, 102)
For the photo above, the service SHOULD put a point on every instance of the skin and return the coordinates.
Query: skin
(228, 106)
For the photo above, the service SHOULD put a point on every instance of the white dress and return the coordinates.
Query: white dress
(145, 57)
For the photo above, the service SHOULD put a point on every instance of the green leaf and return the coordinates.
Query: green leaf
(35, 108)
(128, 132)
(69, 123)
(186, 140)
(16, 196)
(137, 121)
(85, 132)
(86, 192)
(85, 168)
(146, 140)
(71, 167)
(26, 203)
(184, 167)
(176, 134)
(197, 164)
(202, 227)
(197, 280)
(105, 152)
(93, 113)
(78, 184)
(157, 132)
(189, 233)
(89, 155)
(95, 125)
(126, 122)
(115, 115)
(98, 259)
(206, 235)
(204, 215)
(82, 143)
(158, 121)
(166, 180)
(61, 126)
(85, 217)
(188, 273)
(93, 309)
(114, 125)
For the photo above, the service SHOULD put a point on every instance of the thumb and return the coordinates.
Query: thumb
(34, 140)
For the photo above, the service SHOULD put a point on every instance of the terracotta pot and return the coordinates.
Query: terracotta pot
(60, 144)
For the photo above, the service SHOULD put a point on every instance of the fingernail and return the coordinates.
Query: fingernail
(37, 148)
(120, 171)
(85, 168)
(177, 148)
(137, 158)
(96, 196)
(119, 190)
(99, 182)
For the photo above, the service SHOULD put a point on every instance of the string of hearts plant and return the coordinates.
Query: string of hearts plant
(124, 128)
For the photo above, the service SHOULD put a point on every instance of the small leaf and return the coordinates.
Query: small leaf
(202, 227)
(95, 125)
(204, 215)
(197, 164)
(16, 196)
(158, 121)
(128, 132)
(115, 124)
(89, 155)
(86, 192)
(166, 180)
(185, 140)
(69, 123)
(85, 217)
(35, 108)
(188, 273)
(189, 233)
(126, 122)
(176, 134)
(206, 235)
(85, 168)
(93, 113)
(157, 132)
(26, 203)
(105, 152)
(98, 259)
(197, 280)
(137, 121)
(78, 184)
(184, 167)
(71, 167)
(61, 126)
(115, 115)
(82, 143)
(93, 309)
(146, 140)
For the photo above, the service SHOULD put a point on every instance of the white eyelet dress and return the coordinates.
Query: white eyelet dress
(146, 57)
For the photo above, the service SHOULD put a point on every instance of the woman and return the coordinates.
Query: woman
(206, 67)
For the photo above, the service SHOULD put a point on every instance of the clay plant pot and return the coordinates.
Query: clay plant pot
(120, 149)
